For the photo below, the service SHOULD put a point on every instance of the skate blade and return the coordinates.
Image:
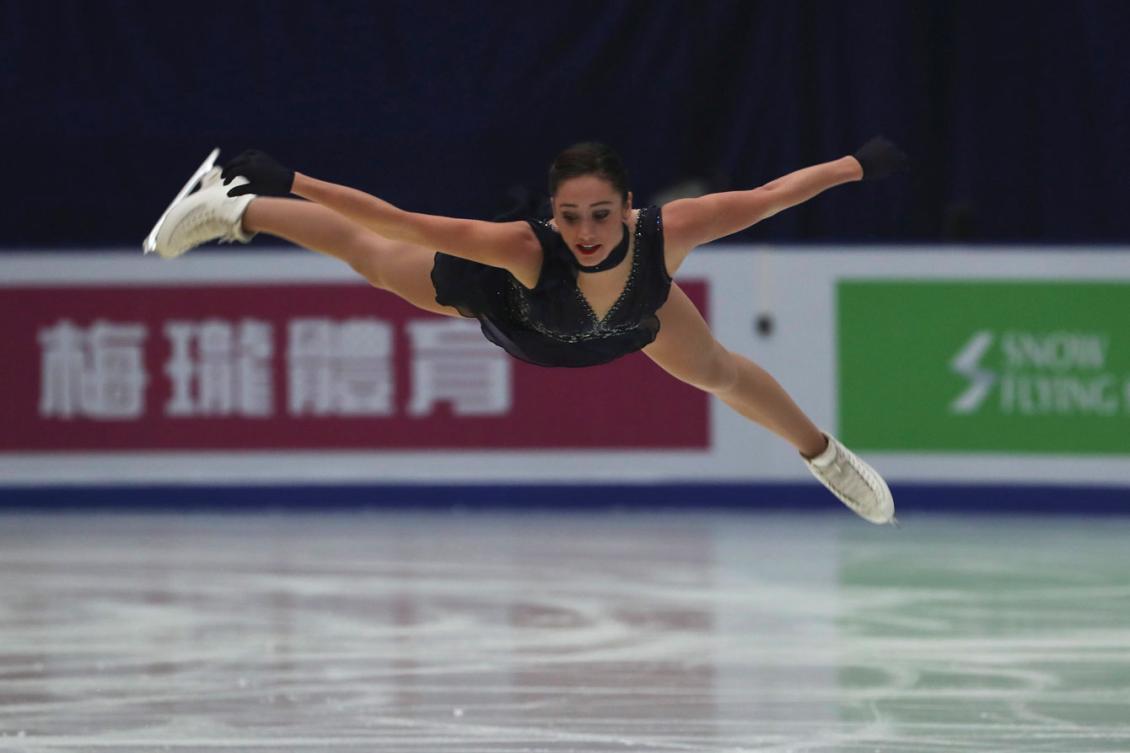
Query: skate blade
(149, 245)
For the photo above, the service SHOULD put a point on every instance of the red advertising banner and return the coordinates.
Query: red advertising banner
(305, 366)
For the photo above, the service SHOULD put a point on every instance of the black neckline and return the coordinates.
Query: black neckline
(612, 260)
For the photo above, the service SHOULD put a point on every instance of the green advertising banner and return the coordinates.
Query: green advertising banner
(985, 366)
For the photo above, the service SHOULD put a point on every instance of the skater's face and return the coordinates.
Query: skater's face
(590, 214)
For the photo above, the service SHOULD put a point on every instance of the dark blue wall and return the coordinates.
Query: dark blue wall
(1015, 113)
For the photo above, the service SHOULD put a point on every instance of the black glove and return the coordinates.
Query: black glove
(265, 176)
(880, 158)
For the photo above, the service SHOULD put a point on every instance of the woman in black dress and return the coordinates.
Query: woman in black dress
(588, 286)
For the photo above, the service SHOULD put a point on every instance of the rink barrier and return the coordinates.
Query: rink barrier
(989, 367)
(911, 499)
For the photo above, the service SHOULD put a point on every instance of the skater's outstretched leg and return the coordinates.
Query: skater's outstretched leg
(209, 214)
(400, 268)
(686, 349)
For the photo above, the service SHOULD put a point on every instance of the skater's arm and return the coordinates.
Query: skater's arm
(688, 223)
(499, 244)
(692, 222)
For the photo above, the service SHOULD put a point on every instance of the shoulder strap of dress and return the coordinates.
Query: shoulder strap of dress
(554, 255)
(546, 235)
(650, 230)
(649, 227)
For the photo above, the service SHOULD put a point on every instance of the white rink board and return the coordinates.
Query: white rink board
(795, 285)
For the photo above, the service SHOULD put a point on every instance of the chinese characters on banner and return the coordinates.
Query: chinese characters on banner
(96, 372)
(223, 368)
(304, 366)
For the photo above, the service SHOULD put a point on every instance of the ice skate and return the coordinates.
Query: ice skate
(855, 482)
(196, 217)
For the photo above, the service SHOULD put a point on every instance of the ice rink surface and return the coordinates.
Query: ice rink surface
(484, 633)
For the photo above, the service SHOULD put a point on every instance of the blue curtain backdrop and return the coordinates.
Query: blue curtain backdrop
(1014, 113)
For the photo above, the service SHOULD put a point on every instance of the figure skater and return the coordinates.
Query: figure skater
(590, 285)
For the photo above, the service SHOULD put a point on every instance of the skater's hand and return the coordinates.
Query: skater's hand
(265, 177)
(878, 158)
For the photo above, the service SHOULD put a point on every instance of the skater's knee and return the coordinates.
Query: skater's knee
(717, 373)
(370, 271)
(724, 370)
(365, 259)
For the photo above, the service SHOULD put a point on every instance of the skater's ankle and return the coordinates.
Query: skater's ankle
(816, 449)
(247, 221)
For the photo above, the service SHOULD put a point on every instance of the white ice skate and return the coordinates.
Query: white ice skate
(197, 217)
(856, 483)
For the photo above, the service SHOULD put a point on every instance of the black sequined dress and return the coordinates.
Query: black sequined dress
(552, 324)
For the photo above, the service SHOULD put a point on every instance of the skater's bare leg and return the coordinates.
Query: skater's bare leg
(686, 349)
(401, 268)
(759, 397)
